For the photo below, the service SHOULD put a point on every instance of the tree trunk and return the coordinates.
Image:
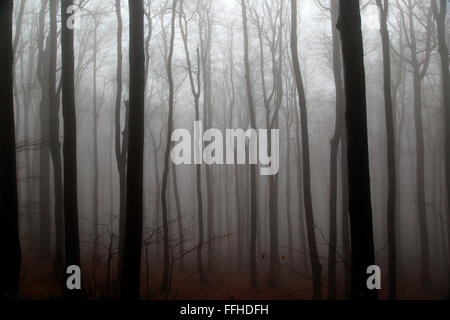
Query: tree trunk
(392, 176)
(198, 177)
(131, 265)
(121, 144)
(164, 194)
(358, 154)
(9, 231)
(95, 140)
(440, 16)
(179, 214)
(253, 191)
(72, 241)
(44, 151)
(55, 145)
(334, 148)
(310, 226)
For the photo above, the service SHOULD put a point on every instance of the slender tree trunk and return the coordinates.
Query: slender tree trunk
(334, 148)
(345, 226)
(121, 144)
(131, 266)
(288, 190)
(441, 16)
(44, 151)
(253, 191)
(310, 226)
(392, 183)
(72, 241)
(419, 70)
(9, 230)
(179, 214)
(95, 140)
(164, 194)
(198, 177)
(55, 145)
(358, 153)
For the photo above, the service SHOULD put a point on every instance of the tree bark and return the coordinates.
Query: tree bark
(9, 230)
(441, 16)
(357, 154)
(334, 148)
(55, 145)
(44, 151)
(131, 266)
(72, 241)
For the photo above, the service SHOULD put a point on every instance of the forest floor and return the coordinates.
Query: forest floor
(38, 283)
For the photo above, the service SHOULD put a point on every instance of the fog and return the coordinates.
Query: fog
(215, 45)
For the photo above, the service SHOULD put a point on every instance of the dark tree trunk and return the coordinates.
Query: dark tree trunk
(44, 151)
(55, 145)
(131, 265)
(121, 144)
(9, 230)
(441, 16)
(358, 154)
(392, 176)
(253, 194)
(164, 194)
(334, 148)
(345, 225)
(72, 241)
(310, 226)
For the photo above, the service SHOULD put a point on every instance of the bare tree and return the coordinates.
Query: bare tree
(55, 145)
(195, 89)
(360, 206)
(253, 191)
(440, 14)
(392, 183)
(72, 240)
(131, 265)
(310, 226)
(44, 153)
(419, 67)
(9, 229)
(165, 278)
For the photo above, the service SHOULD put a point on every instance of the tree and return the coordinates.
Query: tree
(440, 15)
(121, 144)
(44, 151)
(72, 238)
(252, 115)
(195, 89)
(357, 153)
(334, 149)
(205, 31)
(419, 68)
(9, 229)
(55, 145)
(392, 176)
(95, 116)
(165, 279)
(272, 121)
(131, 265)
(310, 226)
